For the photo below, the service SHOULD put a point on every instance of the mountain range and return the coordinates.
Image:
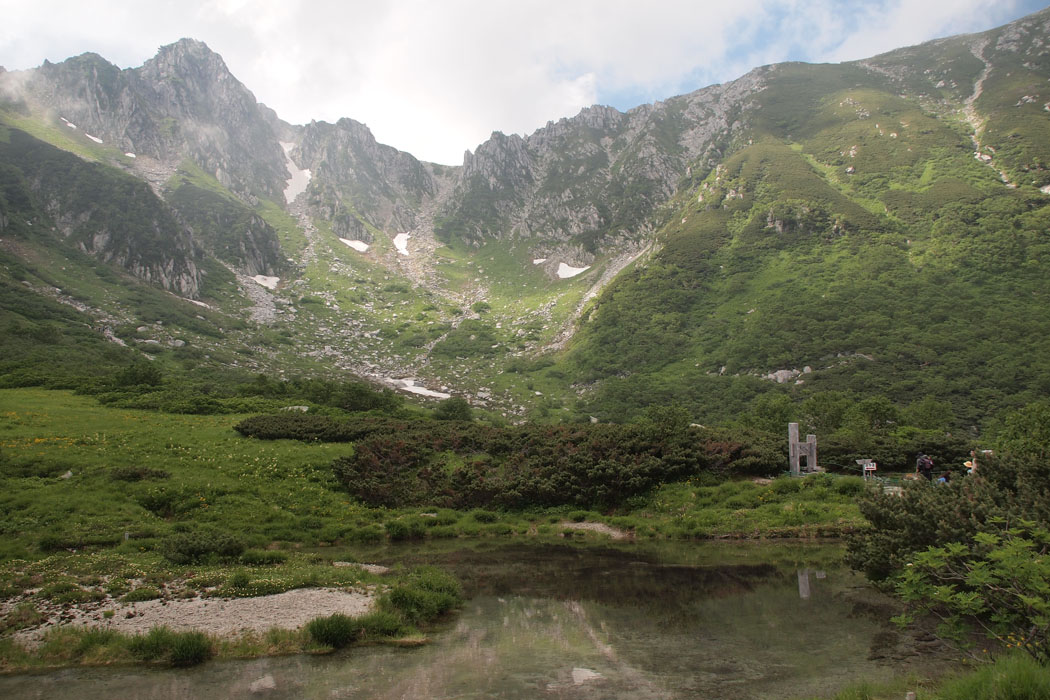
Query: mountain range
(877, 228)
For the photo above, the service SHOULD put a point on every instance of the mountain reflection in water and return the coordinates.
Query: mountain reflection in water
(565, 621)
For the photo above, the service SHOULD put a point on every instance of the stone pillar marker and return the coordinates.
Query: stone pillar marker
(797, 450)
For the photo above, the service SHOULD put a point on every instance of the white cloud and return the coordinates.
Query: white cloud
(435, 78)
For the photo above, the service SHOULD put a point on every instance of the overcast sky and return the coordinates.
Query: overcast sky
(436, 77)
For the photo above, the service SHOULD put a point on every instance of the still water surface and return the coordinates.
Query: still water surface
(737, 621)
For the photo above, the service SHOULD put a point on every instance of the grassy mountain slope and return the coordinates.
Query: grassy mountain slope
(851, 232)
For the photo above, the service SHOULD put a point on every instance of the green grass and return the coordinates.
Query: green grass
(199, 475)
(1009, 677)
(61, 136)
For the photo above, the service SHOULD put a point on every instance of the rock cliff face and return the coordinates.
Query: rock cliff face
(359, 181)
(214, 117)
(227, 229)
(594, 180)
(183, 103)
(100, 211)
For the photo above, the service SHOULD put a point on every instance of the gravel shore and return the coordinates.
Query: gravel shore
(222, 617)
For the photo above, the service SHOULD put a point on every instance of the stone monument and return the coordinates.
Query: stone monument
(797, 450)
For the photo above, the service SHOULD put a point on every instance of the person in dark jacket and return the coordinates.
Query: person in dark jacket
(924, 465)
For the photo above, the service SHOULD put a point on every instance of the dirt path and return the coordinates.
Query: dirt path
(970, 111)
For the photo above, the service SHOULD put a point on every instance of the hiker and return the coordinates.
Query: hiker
(924, 465)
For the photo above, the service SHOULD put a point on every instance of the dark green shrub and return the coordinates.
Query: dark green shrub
(137, 374)
(380, 624)
(454, 408)
(336, 631)
(130, 473)
(141, 593)
(417, 605)
(850, 485)
(1012, 677)
(168, 501)
(200, 546)
(785, 485)
(96, 637)
(311, 427)
(923, 515)
(445, 518)
(427, 593)
(366, 534)
(23, 615)
(189, 649)
(152, 645)
(484, 516)
(405, 528)
(239, 579)
(260, 557)
(64, 592)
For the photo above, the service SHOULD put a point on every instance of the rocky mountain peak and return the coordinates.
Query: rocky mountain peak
(360, 180)
(501, 157)
(192, 61)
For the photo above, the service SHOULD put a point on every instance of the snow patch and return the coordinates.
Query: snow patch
(68, 123)
(130, 155)
(566, 271)
(268, 282)
(296, 184)
(359, 246)
(584, 675)
(198, 303)
(539, 261)
(93, 138)
(414, 387)
(401, 243)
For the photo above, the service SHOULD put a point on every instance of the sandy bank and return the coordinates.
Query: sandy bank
(222, 617)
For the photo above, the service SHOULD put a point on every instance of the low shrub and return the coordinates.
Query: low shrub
(22, 616)
(405, 529)
(784, 485)
(445, 518)
(177, 648)
(484, 516)
(189, 649)
(850, 485)
(311, 427)
(141, 593)
(239, 579)
(1013, 677)
(63, 592)
(381, 624)
(168, 502)
(427, 593)
(260, 557)
(136, 473)
(336, 631)
(200, 546)
(152, 645)
(95, 637)
(368, 534)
